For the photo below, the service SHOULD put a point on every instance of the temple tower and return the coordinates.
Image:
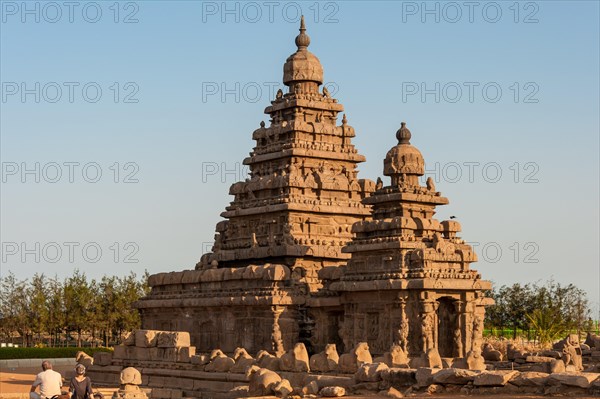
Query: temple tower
(303, 194)
(408, 281)
(287, 221)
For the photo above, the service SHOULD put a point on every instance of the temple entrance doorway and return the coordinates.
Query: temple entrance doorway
(336, 319)
(447, 321)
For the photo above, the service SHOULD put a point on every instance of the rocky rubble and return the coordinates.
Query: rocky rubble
(173, 370)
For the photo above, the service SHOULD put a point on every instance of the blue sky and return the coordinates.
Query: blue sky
(161, 99)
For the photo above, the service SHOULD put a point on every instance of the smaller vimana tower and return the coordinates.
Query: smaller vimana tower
(408, 280)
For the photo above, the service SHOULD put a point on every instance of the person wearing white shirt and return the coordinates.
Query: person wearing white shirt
(49, 381)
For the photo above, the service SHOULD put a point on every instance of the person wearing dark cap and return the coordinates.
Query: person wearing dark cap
(81, 386)
(49, 381)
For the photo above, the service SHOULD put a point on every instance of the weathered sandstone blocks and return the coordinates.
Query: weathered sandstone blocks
(146, 338)
(173, 339)
(103, 358)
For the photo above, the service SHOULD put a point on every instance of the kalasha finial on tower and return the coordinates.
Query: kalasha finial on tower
(403, 134)
(302, 40)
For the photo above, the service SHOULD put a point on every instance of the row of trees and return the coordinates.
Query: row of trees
(52, 312)
(545, 312)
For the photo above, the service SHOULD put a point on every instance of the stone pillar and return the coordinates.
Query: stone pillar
(459, 332)
(427, 324)
(276, 336)
(468, 326)
(401, 324)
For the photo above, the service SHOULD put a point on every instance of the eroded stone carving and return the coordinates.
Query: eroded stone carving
(130, 379)
(350, 362)
(219, 362)
(325, 361)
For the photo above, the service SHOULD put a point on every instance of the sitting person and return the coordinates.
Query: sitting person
(49, 381)
(81, 386)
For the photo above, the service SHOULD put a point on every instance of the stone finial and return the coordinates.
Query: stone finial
(303, 66)
(129, 380)
(403, 134)
(302, 40)
(344, 120)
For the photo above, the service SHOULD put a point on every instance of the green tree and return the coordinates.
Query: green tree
(38, 305)
(56, 310)
(129, 291)
(78, 304)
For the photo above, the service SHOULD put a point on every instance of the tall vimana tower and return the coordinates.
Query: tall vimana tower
(291, 218)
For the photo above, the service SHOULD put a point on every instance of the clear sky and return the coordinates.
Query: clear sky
(123, 124)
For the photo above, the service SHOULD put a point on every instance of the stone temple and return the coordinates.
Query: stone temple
(308, 252)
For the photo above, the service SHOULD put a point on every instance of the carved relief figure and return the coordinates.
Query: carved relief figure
(276, 336)
(430, 184)
(404, 329)
(457, 340)
(427, 330)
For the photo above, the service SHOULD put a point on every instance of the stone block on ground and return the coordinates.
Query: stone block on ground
(454, 376)
(530, 379)
(332, 392)
(581, 380)
(552, 354)
(370, 372)
(399, 377)
(494, 378)
(538, 359)
(391, 393)
(424, 375)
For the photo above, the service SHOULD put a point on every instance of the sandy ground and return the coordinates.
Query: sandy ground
(20, 380)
